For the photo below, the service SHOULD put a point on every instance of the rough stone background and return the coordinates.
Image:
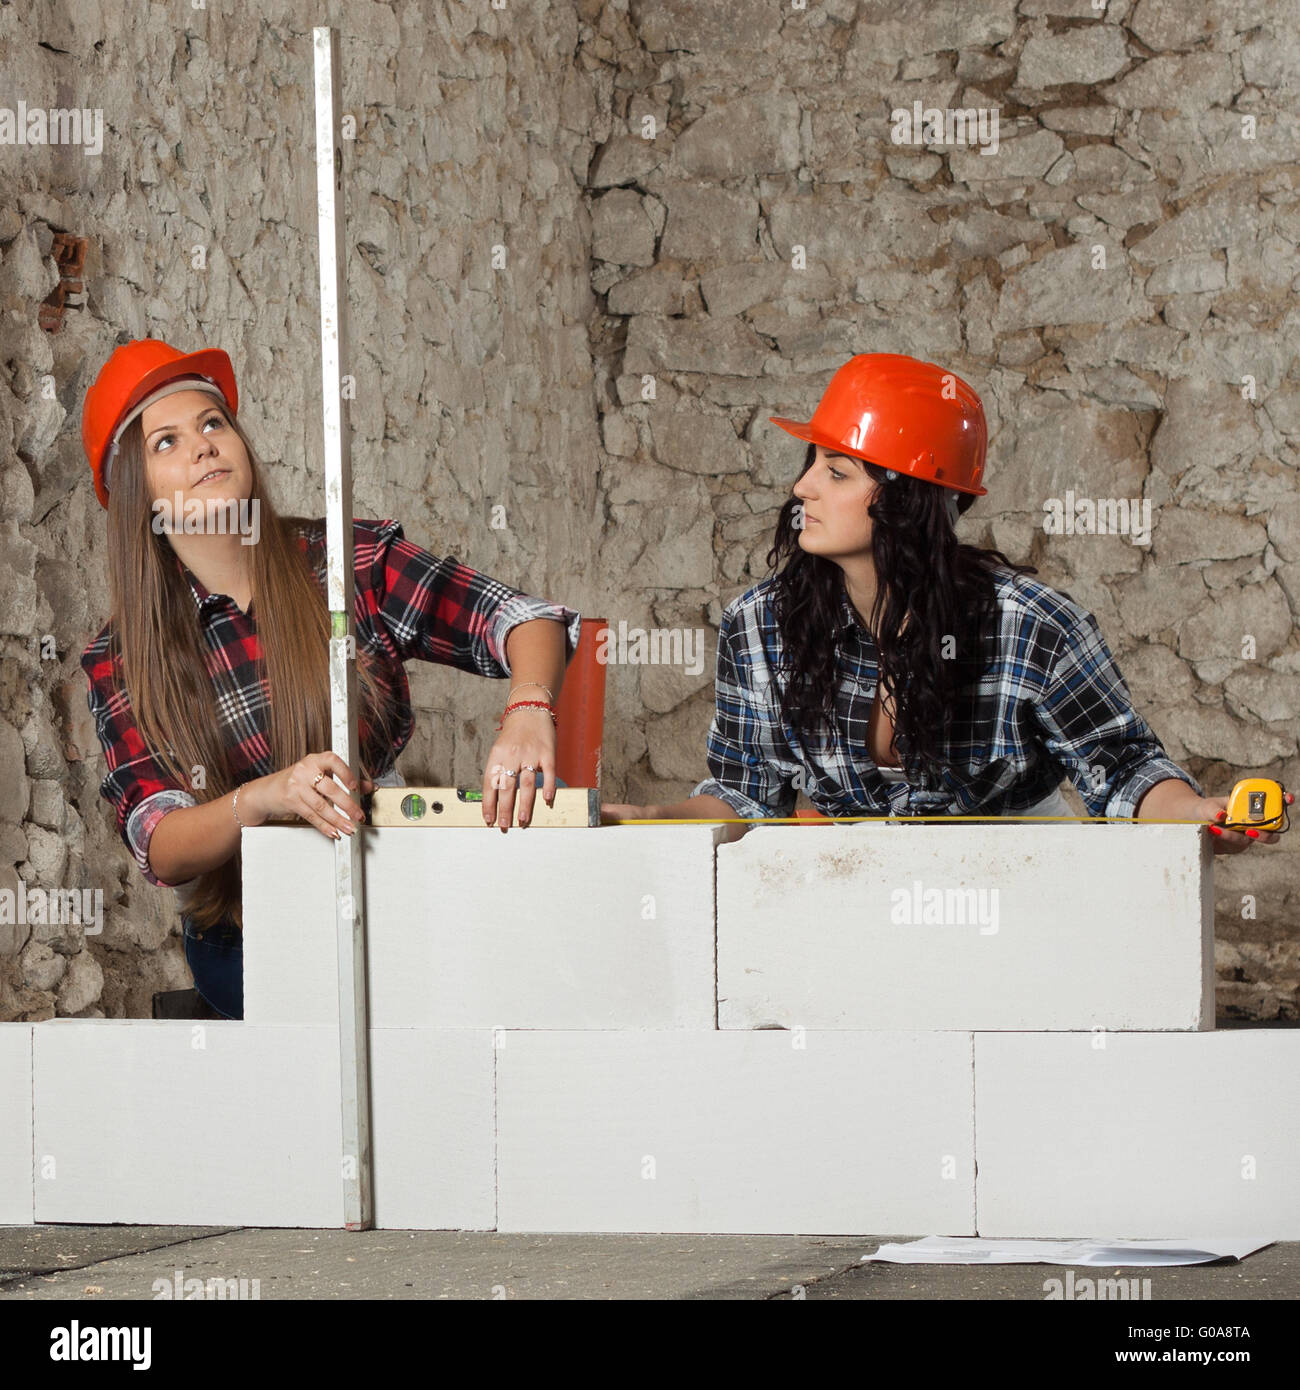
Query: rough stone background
(670, 257)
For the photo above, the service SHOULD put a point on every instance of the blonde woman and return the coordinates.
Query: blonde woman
(210, 683)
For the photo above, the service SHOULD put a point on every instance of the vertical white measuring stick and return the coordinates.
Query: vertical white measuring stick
(354, 1035)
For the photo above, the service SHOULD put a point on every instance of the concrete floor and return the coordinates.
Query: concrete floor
(122, 1262)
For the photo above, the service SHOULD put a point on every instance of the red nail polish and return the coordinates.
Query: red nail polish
(1214, 830)
(1254, 834)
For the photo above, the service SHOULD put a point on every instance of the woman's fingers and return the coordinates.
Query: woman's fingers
(499, 792)
(321, 781)
(1236, 842)
(319, 799)
(527, 784)
(314, 813)
(1227, 841)
(347, 810)
(517, 771)
(318, 803)
(506, 784)
(542, 779)
(331, 764)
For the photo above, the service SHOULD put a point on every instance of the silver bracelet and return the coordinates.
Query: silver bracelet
(234, 806)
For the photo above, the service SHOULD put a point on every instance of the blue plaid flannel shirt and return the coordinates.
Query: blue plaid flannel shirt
(1051, 703)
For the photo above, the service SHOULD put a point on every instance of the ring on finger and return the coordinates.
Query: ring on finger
(316, 779)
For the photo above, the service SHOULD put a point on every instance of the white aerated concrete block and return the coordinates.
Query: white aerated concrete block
(1152, 1135)
(187, 1123)
(433, 1138)
(967, 926)
(604, 927)
(760, 1132)
(16, 1202)
(290, 940)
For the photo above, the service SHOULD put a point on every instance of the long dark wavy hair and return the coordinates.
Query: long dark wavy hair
(922, 569)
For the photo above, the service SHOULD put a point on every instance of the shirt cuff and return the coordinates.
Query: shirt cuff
(1124, 802)
(144, 820)
(742, 804)
(523, 608)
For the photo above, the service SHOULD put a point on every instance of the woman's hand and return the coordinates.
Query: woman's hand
(1234, 841)
(615, 812)
(527, 739)
(307, 790)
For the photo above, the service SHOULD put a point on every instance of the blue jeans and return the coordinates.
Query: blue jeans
(216, 960)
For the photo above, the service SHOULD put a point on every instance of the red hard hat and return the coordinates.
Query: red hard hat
(905, 414)
(134, 371)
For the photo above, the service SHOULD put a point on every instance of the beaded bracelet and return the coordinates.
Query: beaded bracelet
(526, 704)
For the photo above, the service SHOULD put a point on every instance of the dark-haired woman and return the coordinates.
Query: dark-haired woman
(210, 683)
(887, 669)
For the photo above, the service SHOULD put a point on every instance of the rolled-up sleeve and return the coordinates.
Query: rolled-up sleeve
(138, 786)
(524, 608)
(439, 610)
(143, 821)
(1088, 724)
(749, 760)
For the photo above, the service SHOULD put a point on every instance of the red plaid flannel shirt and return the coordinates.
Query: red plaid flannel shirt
(408, 604)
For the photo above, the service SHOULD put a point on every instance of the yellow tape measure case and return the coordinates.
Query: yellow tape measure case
(1257, 803)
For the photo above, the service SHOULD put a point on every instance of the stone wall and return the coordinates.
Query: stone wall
(593, 246)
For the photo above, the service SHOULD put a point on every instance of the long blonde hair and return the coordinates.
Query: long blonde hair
(165, 669)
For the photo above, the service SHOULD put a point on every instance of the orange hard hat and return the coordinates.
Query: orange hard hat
(134, 371)
(903, 414)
